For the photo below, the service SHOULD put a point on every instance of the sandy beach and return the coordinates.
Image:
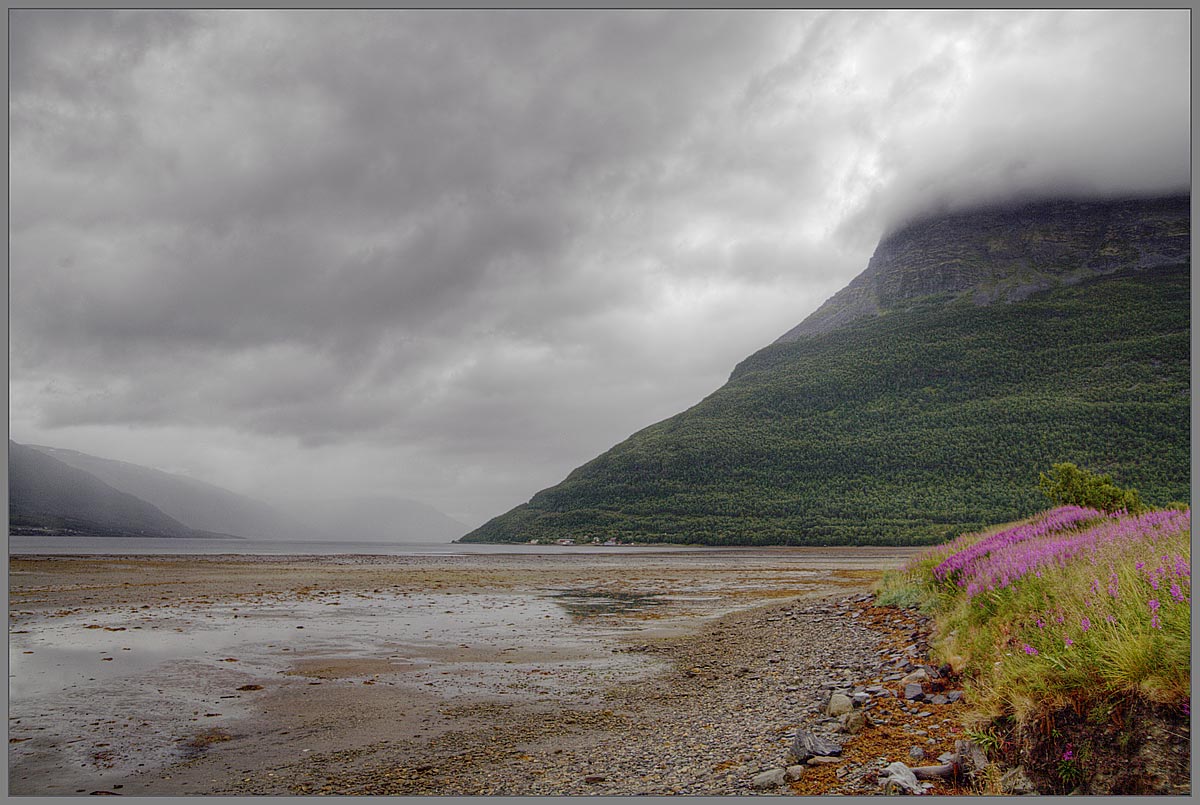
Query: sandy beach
(599, 673)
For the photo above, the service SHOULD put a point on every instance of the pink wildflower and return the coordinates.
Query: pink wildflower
(1176, 593)
(1029, 649)
(1085, 623)
(1069, 642)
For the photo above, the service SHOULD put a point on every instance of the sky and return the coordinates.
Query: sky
(450, 256)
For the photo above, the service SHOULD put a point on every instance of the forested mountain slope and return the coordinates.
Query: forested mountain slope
(930, 407)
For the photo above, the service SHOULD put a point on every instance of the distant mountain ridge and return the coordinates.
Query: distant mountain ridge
(194, 505)
(46, 496)
(1004, 254)
(198, 504)
(913, 405)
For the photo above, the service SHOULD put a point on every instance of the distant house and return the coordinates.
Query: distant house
(565, 542)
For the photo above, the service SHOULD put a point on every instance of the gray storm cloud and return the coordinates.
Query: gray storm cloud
(456, 254)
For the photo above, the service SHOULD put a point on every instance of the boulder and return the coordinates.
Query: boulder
(899, 779)
(1016, 782)
(772, 778)
(839, 703)
(940, 699)
(809, 745)
(919, 675)
(853, 722)
(914, 692)
(794, 773)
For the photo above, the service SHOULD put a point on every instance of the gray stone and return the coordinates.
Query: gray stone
(861, 698)
(914, 692)
(899, 779)
(916, 753)
(919, 675)
(939, 699)
(822, 761)
(808, 745)
(1016, 782)
(853, 722)
(773, 778)
(839, 703)
(794, 773)
(954, 695)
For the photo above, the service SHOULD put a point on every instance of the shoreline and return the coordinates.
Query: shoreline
(356, 721)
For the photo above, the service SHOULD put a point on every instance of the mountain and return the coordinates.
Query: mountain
(194, 503)
(46, 496)
(923, 399)
(379, 519)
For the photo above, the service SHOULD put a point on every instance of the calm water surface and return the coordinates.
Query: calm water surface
(144, 545)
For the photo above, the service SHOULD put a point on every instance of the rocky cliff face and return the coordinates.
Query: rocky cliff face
(1006, 254)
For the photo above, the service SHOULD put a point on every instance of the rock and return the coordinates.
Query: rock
(924, 714)
(899, 779)
(839, 703)
(592, 779)
(861, 698)
(940, 699)
(809, 745)
(971, 756)
(772, 778)
(1016, 782)
(919, 675)
(251, 687)
(794, 773)
(954, 695)
(916, 753)
(823, 761)
(853, 722)
(914, 692)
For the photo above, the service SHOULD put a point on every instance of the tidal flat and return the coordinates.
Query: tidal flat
(481, 673)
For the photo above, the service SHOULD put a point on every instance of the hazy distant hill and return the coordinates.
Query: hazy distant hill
(211, 508)
(194, 503)
(379, 519)
(46, 496)
(975, 350)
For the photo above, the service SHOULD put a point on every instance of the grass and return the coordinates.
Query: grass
(1070, 608)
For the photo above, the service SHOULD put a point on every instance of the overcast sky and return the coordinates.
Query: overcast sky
(450, 256)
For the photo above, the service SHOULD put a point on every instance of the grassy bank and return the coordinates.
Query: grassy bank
(1072, 631)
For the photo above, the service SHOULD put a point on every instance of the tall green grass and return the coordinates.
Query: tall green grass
(1064, 609)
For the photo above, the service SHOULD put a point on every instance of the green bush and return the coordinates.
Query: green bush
(1068, 485)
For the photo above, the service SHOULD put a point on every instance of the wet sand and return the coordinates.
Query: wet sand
(219, 674)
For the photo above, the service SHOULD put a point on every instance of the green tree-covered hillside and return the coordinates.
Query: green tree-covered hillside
(905, 428)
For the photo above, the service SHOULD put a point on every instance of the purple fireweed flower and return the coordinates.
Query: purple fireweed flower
(1182, 568)
(1155, 622)
(1041, 624)
(1153, 604)
(1068, 642)
(1029, 649)
(1086, 624)
(1176, 593)
(999, 561)
(1058, 618)
(1154, 582)
(1110, 619)
(1069, 754)
(1140, 565)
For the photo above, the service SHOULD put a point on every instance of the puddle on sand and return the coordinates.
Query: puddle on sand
(96, 697)
(591, 603)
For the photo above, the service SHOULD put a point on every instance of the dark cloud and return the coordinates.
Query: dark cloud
(451, 255)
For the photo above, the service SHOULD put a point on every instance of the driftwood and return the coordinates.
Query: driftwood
(943, 772)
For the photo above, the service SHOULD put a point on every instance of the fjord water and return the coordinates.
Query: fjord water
(120, 546)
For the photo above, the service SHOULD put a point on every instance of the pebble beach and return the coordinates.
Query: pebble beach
(608, 674)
